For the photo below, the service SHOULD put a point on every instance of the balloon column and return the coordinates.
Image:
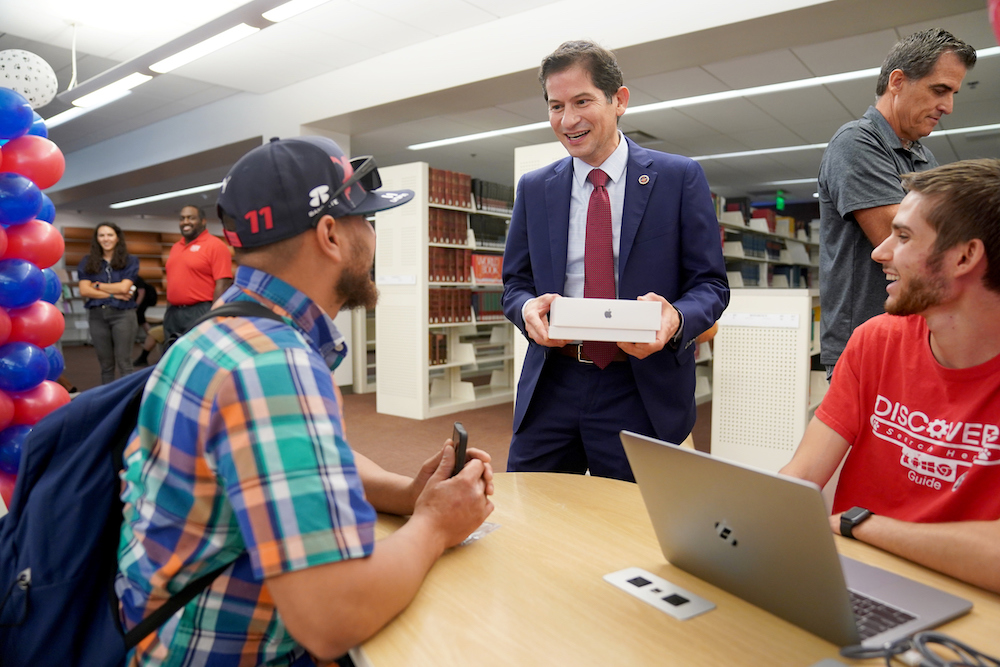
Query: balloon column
(30, 323)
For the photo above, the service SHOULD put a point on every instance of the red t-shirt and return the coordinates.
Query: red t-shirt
(926, 440)
(193, 268)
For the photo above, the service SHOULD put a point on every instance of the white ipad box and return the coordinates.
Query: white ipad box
(613, 320)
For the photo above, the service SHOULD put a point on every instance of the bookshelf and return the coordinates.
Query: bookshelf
(765, 391)
(758, 257)
(443, 345)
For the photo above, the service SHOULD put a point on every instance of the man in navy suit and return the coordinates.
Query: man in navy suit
(665, 240)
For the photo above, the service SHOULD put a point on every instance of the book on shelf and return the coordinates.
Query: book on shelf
(449, 188)
(768, 215)
(741, 204)
(719, 202)
(489, 231)
(437, 345)
(449, 305)
(445, 226)
(488, 306)
(487, 269)
(493, 197)
(449, 265)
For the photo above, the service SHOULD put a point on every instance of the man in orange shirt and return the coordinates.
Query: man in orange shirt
(199, 269)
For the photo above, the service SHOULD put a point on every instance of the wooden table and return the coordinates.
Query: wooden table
(531, 593)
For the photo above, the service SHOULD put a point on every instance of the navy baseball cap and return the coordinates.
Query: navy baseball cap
(284, 187)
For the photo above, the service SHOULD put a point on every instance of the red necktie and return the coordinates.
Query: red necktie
(599, 261)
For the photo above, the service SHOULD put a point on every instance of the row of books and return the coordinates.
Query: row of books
(437, 346)
(461, 265)
(490, 232)
(795, 276)
(444, 226)
(493, 197)
(760, 247)
(487, 306)
(449, 265)
(450, 188)
(446, 306)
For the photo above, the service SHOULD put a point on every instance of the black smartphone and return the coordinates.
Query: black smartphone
(461, 440)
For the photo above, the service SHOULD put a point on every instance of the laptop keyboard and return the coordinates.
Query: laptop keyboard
(874, 617)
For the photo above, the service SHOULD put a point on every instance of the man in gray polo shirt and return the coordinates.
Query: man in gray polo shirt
(859, 177)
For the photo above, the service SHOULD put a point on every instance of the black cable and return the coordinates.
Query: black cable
(964, 655)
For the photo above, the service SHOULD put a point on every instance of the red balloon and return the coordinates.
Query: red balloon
(994, 8)
(39, 323)
(35, 241)
(6, 410)
(4, 328)
(32, 405)
(7, 482)
(3, 241)
(35, 158)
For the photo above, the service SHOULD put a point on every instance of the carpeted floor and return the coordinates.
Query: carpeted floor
(396, 443)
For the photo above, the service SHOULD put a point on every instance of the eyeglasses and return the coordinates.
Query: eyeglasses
(365, 174)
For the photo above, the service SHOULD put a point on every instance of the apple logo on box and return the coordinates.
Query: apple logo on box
(607, 314)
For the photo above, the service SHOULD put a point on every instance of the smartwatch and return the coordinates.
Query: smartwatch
(850, 520)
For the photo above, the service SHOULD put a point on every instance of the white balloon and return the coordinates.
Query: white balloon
(26, 73)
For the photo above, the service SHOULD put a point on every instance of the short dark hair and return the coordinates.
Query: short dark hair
(200, 209)
(600, 63)
(917, 54)
(965, 205)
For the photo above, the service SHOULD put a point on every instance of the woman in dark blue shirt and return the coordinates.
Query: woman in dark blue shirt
(107, 278)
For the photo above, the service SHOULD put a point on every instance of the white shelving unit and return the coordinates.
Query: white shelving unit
(408, 384)
(764, 391)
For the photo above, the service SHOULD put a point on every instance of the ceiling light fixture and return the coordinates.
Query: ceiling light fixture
(290, 9)
(166, 195)
(809, 147)
(696, 99)
(243, 21)
(112, 91)
(200, 49)
(75, 112)
(793, 181)
(761, 151)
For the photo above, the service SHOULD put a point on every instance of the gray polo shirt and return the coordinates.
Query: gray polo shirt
(860, 169)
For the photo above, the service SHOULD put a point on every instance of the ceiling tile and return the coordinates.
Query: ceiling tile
(760, 69)
(438, 17)
(847, 54)
(674, 85)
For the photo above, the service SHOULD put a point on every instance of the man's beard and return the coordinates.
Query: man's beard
(356, 287)
(919, 294)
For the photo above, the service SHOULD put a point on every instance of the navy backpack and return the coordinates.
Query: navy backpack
(59, 541)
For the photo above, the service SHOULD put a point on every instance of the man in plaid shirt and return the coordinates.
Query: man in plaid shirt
(239, 453)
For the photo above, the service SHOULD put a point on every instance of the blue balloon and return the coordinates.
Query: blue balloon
(21, 283)
(23, 366)
(53, 286)
(56, 363)
(38, 126)
(11, 441)
(48, 212)
(20, 199)
(16, 115)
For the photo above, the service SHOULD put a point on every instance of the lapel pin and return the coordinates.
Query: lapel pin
(644, 179)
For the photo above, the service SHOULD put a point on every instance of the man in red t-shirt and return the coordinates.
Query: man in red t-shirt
(199, 270)
(915, 402)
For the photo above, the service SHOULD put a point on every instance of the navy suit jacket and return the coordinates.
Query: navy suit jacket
(669, 245)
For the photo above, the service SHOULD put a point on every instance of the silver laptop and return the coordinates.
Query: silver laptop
(766, 538)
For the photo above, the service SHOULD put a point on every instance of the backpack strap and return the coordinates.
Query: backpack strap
(194, 588)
